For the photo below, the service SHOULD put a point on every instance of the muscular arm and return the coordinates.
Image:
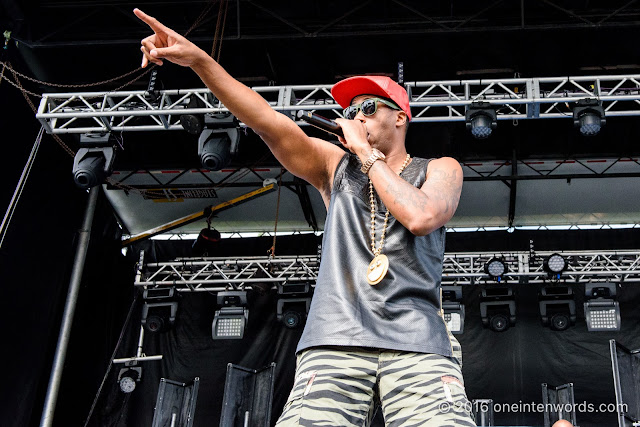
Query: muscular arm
(420, 210)
(311, 159)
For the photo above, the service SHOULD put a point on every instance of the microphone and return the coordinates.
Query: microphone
(320, 122)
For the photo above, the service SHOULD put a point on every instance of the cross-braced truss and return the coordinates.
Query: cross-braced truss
(524, 267)
(440, 101)
(218, 274)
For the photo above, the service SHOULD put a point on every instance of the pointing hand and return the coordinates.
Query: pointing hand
(166, 44)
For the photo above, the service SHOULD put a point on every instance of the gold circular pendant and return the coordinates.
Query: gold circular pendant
(377, 269)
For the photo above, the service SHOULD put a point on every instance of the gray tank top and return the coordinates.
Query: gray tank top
(402, 312)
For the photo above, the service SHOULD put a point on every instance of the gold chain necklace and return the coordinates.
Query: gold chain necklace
(380, 264)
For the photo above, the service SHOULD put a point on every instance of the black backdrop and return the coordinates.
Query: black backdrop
(36, 260)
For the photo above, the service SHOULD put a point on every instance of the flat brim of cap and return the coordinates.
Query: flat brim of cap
(344, 91)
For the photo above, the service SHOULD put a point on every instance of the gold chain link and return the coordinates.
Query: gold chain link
(375, 251)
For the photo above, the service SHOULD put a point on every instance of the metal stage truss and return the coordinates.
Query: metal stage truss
(436, 101)
(219, 274)
(488, 170)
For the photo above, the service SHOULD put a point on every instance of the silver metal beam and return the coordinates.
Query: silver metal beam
(218, 274)
(69, 310)
(140, 356)
(431, 101)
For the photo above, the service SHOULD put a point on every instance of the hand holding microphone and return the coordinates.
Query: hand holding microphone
(320, 122)
(331, 127)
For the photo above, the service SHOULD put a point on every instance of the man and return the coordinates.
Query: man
(375, 330)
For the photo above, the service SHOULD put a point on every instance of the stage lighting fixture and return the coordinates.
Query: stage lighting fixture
(453, 309)
(193, 123)
(155, 85)
(293, 303)
(159, 309)
(214, 149)
(128, 378)
(557, 307)
(93, 162)
(159, 316)
(207, 243)
(588, 116)
(230, 321)
(601, 310)
(218, 142)
(498, 308)
(495, 268)
(481, 119)
(554, 265)
(263, 288)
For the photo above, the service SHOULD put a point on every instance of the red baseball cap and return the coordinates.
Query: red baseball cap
(345, 90)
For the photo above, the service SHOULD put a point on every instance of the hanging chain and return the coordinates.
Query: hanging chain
(31, 79)
(224, 21)
(219, 32)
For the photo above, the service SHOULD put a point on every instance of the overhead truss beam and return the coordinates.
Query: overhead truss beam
(217, 274)
(158, 184)
(436, 101)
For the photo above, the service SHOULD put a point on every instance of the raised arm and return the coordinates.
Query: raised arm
(311, 159)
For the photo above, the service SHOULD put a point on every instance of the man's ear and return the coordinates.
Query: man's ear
(401, 119)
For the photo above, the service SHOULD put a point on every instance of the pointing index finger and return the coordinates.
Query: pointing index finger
(149, 20)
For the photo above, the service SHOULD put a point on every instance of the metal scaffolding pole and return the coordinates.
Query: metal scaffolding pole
(69, 310)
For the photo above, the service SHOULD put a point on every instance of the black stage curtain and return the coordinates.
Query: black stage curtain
(507, 367)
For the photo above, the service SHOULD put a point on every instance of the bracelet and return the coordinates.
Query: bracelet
(375, 155)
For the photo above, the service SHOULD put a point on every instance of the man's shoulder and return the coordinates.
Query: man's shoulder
(444, 163)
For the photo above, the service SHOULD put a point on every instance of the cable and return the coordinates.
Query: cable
(224, 21)
(272, 250)
(35, 110)
(219, 32)
(200, 18)
(21, 184)
(4, 66)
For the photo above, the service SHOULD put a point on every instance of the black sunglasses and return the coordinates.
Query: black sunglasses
(368, 106)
